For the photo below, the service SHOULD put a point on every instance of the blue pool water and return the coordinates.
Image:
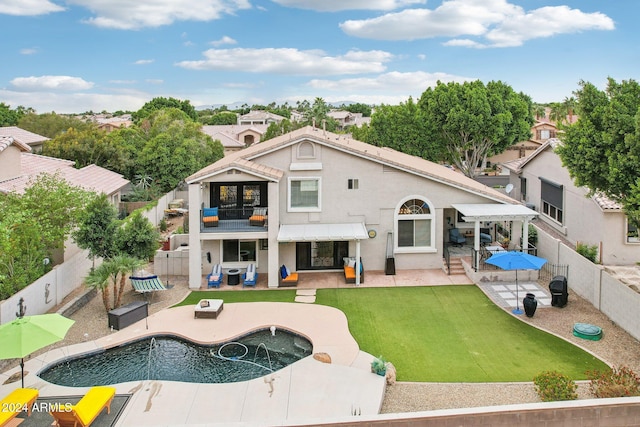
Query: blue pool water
(175, 359)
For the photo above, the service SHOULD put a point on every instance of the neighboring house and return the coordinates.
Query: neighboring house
(259, 117)
(310, 198)
(109, 125)
(544, 184)
(18, 166)
(347, 119)
(541, 131)
(31, 139)
(235, 137)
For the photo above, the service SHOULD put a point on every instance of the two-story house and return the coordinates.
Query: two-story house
(323, 197)
(544, 184)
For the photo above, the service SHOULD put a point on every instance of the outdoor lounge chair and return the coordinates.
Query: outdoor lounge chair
(286, 277)
(259, 217)
(214, 279)
(485, 238)
(87, 409)
(12, 405)
(250, 277)
(350, 271)
(146, 283)
(455, 238)
(210, 217)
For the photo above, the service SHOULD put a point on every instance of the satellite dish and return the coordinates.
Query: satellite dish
(508, 188)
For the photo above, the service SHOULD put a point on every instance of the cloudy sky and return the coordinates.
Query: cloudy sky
(79, 55)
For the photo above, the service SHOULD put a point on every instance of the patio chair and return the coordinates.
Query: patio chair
(210, 217)
(87, 409)
(350, 271)
(11, 406)
(286, 277)
(485, 238)
(250, 277)
(259, 217)
(455, 238)
(214, 279)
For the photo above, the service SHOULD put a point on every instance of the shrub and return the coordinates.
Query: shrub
(552, 386)
(590, 252)
(163, 224)
(617, 382)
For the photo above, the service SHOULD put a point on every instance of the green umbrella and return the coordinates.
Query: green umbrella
(27, 334)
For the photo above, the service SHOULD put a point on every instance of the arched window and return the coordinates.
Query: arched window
(415, 225)
(306, 150)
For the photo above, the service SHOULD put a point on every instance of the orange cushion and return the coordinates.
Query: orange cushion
(293, 277)
(350, 272)
(210, 219)
(257, 218)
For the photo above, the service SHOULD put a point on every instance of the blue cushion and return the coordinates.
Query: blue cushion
(283, 272)
(210, 212)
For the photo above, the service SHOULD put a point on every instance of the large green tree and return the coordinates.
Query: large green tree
(97, 227)
(9, 117)
(161, 103)
(403, 127)
(137, 237)
(471, 121)
(602, 149)
(51, 124)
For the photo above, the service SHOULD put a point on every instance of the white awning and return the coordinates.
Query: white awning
(322, 232)
(494, 212)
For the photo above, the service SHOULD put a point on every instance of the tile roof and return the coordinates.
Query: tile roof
(345, 143)
(605, 203)
(229, 135)
(22, 135)
(92, 177)
(6, 141)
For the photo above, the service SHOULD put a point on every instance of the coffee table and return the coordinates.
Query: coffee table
(208, 308)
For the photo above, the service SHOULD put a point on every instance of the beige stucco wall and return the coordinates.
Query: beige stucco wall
(584, 221)
(9, 163)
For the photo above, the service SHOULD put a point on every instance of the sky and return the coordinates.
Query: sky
(73, 56)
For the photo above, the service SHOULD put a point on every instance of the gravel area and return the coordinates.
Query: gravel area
(616, 347)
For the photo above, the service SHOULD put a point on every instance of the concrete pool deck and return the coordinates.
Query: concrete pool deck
(305, 391)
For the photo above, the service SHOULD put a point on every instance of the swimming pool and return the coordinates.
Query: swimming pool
(171, 358)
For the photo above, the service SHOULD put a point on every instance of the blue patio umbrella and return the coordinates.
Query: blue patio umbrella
(513, 260)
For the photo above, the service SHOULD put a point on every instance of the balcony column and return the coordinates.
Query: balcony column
(273, 224)
(195, 245)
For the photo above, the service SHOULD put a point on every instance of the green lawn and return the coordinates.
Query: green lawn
(441, 333)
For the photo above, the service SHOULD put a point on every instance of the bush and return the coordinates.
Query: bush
(163, 224)
(590, 252)
(618, 382)
(552, 386)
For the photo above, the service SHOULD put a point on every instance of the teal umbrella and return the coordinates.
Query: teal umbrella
(27, 334)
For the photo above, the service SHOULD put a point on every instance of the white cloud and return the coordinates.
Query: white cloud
(28, 7)
(338, 5)
(28, 51)
(392, 82)
(498, 22)
(155, 81)
(45, 101)
(290, 61)
(58, 83)
(223, 40)
(144, 61)
(130, 15)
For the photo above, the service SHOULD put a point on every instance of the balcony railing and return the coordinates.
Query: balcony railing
(234, 220)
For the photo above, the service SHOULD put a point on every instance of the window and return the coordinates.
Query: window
(632, 233)
(352, 184)
(304, 194)
(552, 200)
(415, 226)
(523, 188)
(234, 251)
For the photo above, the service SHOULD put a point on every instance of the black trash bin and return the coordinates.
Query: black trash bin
(559, 291)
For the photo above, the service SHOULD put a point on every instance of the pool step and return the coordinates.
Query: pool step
(306, 296)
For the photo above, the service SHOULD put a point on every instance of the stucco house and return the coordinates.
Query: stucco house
(235, 137)
(31, 139)
(259, 117)
(544, 184)
(541, 131)
(323, 197)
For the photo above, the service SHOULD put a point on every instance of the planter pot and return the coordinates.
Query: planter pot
(166, 245)
(530, 304)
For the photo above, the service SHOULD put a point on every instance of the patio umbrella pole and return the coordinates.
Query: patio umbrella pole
(22, 369)
(517, 310)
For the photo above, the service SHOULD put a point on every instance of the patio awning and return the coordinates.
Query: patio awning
(494, 212)
(322, 232)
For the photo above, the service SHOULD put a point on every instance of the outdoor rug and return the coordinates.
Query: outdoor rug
(41, 418)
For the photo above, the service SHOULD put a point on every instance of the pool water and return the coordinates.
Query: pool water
(171, 358)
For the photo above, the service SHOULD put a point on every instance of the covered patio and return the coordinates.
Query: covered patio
(493, 213)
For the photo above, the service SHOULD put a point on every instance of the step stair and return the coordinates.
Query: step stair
(455, 266)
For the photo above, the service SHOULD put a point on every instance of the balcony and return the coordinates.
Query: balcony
(235, 220)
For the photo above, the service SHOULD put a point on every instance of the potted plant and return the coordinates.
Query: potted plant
(379, 366)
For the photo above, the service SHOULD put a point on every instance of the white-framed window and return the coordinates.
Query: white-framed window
(552, 198)
(415, 225)
(236, 252)
(304, 194)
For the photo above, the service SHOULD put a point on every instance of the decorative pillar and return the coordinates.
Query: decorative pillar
(195, 244)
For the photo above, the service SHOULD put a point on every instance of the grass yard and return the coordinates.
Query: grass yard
(440, 333)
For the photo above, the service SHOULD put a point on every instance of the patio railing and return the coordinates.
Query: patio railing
(231, 220)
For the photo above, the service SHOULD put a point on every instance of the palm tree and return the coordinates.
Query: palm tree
(120, 267)
(539, 111)
(558, 113)
(98, 279)
(569, 105)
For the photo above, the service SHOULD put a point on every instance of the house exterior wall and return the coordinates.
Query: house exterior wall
(516, 151)
(583, 220)
(10, 163)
